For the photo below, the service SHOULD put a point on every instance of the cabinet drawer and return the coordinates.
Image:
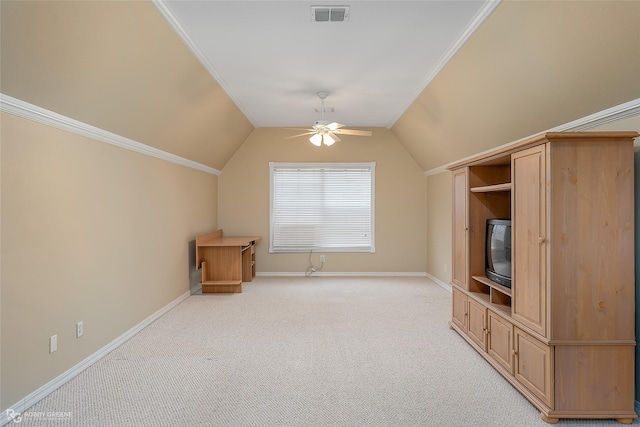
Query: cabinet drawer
(533, 365)
(500, 340)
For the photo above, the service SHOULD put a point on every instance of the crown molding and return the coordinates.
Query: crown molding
(168, 15)
(436, 171)
(477, 20)
(610, 115)
(23, 109)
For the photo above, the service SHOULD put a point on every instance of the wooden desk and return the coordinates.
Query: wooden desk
(226, 262)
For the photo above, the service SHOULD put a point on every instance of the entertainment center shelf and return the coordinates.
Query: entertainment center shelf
(498, 287)
(563, 334)
(492, 188)
(490, 300)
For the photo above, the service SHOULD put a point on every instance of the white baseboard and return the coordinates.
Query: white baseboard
(343, 274)
(33, 398)
(437, 281)
(443, 285)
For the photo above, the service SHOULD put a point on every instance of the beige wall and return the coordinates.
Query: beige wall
(439, 226)
(531, 66)
(89, 232)
(400, 199)
(119, 66)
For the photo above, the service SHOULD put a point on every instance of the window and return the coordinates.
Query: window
(326, 207)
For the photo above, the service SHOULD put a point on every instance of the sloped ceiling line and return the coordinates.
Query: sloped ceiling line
(610, 115)
(173, 22)
(28, 111)
(488, 6)
(477, 20)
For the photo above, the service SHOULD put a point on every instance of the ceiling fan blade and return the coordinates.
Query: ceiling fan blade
(307, 129)
(334, 126)
(354, 132)
(301, 134)
(335, 137)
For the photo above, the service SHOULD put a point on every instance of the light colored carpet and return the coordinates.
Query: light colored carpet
(312, 351)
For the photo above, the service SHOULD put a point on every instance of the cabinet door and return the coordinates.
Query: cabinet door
(459, 310)
(460, 228)
(533, 364)
(528, 238)
(477, 319)
(500, 340)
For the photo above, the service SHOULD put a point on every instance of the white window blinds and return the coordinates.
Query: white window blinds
(325, 207)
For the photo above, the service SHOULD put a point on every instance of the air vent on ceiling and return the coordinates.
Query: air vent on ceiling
(329, 13)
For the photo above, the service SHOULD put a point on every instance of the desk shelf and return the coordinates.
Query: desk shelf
(222, 286)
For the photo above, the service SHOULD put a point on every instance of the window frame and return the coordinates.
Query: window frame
(273, 166)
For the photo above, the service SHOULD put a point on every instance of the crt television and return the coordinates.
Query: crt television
(498, 251)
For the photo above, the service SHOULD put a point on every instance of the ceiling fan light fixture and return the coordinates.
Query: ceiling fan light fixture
(316, 140)
(325, 132)
(327, 139)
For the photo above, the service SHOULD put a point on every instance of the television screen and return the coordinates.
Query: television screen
(498, 253)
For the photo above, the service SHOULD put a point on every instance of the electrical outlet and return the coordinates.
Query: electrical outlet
(322, 259)
(53, 343)
(79, 329)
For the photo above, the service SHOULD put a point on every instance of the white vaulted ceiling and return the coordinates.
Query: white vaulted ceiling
(271, 58)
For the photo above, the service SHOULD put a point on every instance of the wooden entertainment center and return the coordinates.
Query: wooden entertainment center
(563, 334)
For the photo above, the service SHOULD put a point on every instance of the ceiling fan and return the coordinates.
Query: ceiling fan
(327, 133)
